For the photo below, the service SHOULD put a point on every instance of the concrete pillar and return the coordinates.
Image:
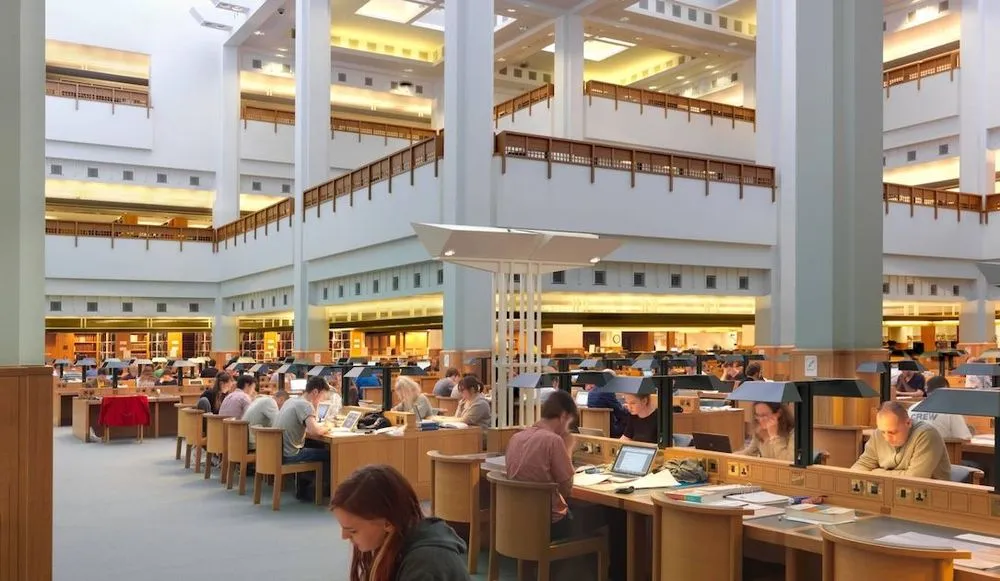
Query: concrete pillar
(977, 321)
(25, 384)
(437, 107)
(227, 175)
(467, 195)
(312, 165)
(568, 115)
(748, 78)
(225, 330)
(977, 163)
(822, 129)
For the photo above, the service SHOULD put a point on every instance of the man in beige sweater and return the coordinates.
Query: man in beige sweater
(903, 447)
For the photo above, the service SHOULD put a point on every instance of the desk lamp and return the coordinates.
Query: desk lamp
(115, 366)
(259, 369)
(294, 368)
(61, 364)
(884, 371)
(968, 402)
(743, 359)
(989, 369)
(945, 358)
(801, 393)
(180, 365)
(370, 371)
(412, 370)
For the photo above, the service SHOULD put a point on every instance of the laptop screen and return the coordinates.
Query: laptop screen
(351, 420)
(581, 398)
(322, 411)
(633, 460)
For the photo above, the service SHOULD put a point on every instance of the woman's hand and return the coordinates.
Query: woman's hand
(770, 426)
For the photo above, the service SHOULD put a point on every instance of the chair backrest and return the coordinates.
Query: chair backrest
(711, 546)
(454, 486)
(522, 513)
(269, 445)
(966, 474)
(189, 425)
(848, 558)
(215, 434)
(237, 439)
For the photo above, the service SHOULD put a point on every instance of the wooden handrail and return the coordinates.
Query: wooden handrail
(938, 199)
(645, 98)
(128, 231)
(135, 97)
(405, 160)
(946, 62)
(992, 203)
(263, 218)
(524, 101)
(599, 156)
(386, 130)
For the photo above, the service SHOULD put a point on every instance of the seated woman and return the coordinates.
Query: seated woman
(380, 514)
(410, 398)
(473, 409)
(774, 433)
(643, 422)
(214, 395)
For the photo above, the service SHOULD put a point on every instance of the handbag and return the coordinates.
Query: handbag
(373, 421)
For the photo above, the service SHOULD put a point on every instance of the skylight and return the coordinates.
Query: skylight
(598, 48)
(434, 20)
(422, 13)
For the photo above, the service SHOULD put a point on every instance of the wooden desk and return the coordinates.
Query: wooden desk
(62, 405)
(407, 453)
(727, 421)
(597, 418)
(162, 418)
(842, 443)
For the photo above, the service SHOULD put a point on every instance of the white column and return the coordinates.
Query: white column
(568, 105)
(977, 164)
(466, 194)
(227, 176)
(827, 115)
(748, 78)
(225, 330)
(22, 183)
(437, 107)
(977, 321)
(312, 164)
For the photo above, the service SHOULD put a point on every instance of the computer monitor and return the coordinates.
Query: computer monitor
(713, 442)
(581, 398)
(633, 460)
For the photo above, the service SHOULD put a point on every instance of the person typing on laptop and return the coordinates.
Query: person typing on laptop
(774, 434)
(298, 419)
(643, 423)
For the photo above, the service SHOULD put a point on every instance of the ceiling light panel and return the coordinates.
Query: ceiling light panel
(598, 48)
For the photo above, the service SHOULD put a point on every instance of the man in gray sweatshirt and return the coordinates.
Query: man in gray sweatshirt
(903, 447)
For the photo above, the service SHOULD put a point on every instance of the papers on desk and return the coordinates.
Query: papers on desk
(979, 539)
(759, 510)
(661, 479)
(984, 440)
(983, 557)
(585, 479)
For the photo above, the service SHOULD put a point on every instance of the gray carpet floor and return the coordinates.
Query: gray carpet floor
(125, 510)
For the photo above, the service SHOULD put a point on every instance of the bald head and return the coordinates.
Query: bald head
(893, 422)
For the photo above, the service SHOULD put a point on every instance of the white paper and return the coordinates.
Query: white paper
(761, 497)
(931, 542)
(584, 479)
(662, 479)
(979, 539)
(810, 521)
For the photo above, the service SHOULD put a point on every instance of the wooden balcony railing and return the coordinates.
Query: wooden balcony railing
(386, 130)
(645, 98)
(597, 156)
(523, 101)
(938, 199)
(943, 63)
(406, 160)
(992, 203)
(136, 97)
(128, 231)
(252, 223)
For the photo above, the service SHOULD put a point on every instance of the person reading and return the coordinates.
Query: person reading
(910, 383)
(643, 422)
(410, 398)
(774, 433)
(949, 425)
(901, 446)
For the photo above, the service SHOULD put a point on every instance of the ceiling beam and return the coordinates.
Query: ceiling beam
(678, 39)
(518, 40)
(253, 22)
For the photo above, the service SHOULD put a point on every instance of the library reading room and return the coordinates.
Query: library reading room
(485, 290)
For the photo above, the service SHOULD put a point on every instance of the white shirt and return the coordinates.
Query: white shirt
(978, 381)
(948, 425)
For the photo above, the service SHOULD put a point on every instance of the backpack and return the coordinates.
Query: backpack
(373, 421)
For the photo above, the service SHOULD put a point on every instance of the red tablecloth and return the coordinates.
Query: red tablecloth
(124, 411)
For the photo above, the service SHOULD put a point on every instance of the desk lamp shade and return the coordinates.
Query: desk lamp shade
(966, 402)
(766, 391)
(359, 371)
(142, 362)
(260, 369)
(159, 360)
(874, 367)
(628, 385)
(990, 369)
(412, 370)
(531, 380)
(183, 363)
(990, 354)
(701, 382)
(86, 362)
(590, 363)
(61, 362)
(590, 377)
(114, 364)
(245, 359)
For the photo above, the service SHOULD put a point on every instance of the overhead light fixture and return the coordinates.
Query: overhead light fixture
(403, 88)
(501, 60)
(595, 260)
(680, 77)
(709, 67)
(258, 33)
(598, 48)
(221, 5)
(449, 253)
(511, 10)
(623, 19)
(208, 23)
(279, 55)
(407, 70)
(733, 43)
(522, 28)
(653, 87)
(434, 20)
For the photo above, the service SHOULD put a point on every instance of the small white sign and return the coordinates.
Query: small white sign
(811, 366)
(316, 357)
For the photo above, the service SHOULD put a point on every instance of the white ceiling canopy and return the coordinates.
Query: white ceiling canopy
(488, 248)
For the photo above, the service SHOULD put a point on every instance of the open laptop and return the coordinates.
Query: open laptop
(632, 463)
(321, 411)
(581, 398)
(713, 442)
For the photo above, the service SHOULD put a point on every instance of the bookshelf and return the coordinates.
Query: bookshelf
(158, 345)
(86, 345)
(252, 344)
(340, 343)
(107, 347)
(202, 343)
(285, 344)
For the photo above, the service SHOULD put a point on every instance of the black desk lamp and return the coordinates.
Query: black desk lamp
(944, 357)
(968, 402)
(801, 393)
(84, 364)
(884, 371)
(61, 364)
(115, 366)
(259, 369)
(180, 365)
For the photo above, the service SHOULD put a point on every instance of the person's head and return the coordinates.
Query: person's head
(639, 405)
(894, 423)
(766, 412)
(753, 370)
(407, 389)
(223, 382)
(936, 382)
(280, 397)
(469, 387)
(906, 373)
(316, 390)
(376, 508)
(211, 362)
(247, 384)
(452, 374)
(559, 409)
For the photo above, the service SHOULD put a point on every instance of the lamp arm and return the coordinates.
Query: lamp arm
(803, 427)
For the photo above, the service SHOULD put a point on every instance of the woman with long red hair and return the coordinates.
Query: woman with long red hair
(379, 513)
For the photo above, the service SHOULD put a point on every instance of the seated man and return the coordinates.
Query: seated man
(298, 419)
(263, 412)
(237, 402)
(903, 447)
(444, 385)
(910, 383)
(949, 425)
(607, 400)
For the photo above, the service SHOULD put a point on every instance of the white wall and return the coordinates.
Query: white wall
(536, 120)
(568, 201)
(94, 123)
(94, 259)
(922, 235)
(906, 105)
(185, 64)
(267, 142)
(129, 288)
(238, 258)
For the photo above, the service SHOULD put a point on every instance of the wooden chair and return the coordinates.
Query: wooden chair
(215, 445)
(180, 432)
(189, 424)
(848, 558)
(269, 463)
(455, 496)
(710, 546)
(966, 474)
(520, 521)
(237, 452)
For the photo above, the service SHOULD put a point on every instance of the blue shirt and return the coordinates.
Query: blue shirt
(367, 381)
(597, 399)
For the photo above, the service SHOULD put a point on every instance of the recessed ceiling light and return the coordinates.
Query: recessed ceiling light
(638, 38)
(733, 43)
(501, 60)
(522, 28)
(279, 55)
(623, 19)
(673, 46)
(595, 260)
(709, 67)
(551, 34)
(680, 77)
(511, 10)
(282, 49)
(653, 87)
(706, 54)
(407, 70)
(258, 33)
(449, 253)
